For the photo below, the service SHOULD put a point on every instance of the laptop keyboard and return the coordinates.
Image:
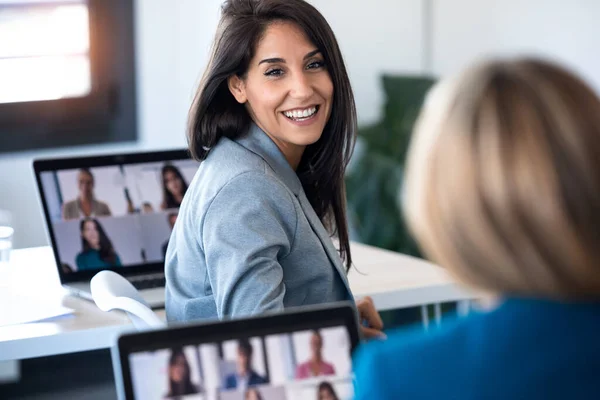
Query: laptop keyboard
(149, 283)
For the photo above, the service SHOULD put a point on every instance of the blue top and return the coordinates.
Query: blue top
(247, 240)
(90, 259)
(524, 349)
(253, 379)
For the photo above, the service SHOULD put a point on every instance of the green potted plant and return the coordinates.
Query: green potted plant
(374, 179)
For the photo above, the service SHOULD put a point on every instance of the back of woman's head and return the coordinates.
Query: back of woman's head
(503, 180)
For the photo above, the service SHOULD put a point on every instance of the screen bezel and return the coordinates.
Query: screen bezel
(53, 165)
(294, 320)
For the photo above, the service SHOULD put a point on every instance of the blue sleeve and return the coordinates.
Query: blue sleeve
(230, 382)
(118, 261)
(412, 364)
(248, 228)
(372, 374)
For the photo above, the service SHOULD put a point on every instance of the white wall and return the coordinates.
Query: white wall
(375, 36)
(173, 38)
(567, 31)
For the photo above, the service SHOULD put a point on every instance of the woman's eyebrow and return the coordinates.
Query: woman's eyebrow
(282, 60)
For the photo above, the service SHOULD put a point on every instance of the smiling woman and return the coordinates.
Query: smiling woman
(288, 96)
(274, 125)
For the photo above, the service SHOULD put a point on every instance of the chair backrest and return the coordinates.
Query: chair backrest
(112, 291)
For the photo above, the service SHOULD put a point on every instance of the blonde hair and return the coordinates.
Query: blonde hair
(503, 180)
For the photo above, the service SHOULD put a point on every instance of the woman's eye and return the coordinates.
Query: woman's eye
(316, 64)
(274, 72)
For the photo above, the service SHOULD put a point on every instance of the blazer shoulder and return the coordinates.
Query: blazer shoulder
(69, 208)
(232, 166)
(231, 158)
(227, 161)
(256, 193)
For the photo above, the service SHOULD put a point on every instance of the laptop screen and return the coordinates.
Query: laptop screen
(302, 363)
(113, 212)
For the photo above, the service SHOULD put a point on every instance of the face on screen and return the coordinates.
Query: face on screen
(293, 366)
(90, 234)
(85, 182)
(115, 216)
(173, 183)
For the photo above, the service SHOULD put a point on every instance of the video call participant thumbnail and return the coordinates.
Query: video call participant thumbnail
(316, 366)
(326, 391)
(174, 187)
(253, 394)
(97, 250)
(179, 375)
(245, 376)
(86, 204)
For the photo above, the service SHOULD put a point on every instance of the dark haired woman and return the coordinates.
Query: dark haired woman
(97, 249)
(326, 392)
(273, 123)
(174, 187)
(253, 394)
(180, 381)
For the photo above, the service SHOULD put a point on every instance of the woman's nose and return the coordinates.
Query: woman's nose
(301, 86)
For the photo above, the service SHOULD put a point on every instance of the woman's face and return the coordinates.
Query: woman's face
(90, 233)
(287, 91)
(173, 183)
(251, 395)
(85, 182)
(178, 369)
(243, 362)
(325, 394)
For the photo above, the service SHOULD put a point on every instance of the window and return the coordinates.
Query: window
(66, 73)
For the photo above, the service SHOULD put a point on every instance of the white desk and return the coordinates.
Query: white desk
(392, 280)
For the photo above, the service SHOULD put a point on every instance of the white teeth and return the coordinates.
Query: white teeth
(298, 114)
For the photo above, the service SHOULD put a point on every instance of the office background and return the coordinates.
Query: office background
(377, 36)
(397, 37)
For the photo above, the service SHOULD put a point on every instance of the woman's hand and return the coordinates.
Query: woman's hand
(371, 324)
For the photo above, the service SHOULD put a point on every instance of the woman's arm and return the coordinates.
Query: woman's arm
(248, 229)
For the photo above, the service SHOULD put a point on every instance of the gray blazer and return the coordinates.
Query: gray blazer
(247, 240)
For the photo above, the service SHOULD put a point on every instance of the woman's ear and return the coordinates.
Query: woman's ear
(237, 88)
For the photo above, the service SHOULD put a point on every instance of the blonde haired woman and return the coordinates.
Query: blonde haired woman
(503, 189)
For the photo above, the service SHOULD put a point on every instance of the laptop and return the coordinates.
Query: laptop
(266, 357)
(113, 212)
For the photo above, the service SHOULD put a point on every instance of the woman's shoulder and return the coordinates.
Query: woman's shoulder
(70, 203)
(409, 359)
(85, 257)
(329, 368)
(230, 157)
(70, 206)
(230, 164)
(84, 254)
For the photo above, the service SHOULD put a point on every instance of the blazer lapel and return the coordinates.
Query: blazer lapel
(324, 237)
(259, 143)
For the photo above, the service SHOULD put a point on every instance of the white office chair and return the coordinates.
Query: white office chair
(111, 291)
